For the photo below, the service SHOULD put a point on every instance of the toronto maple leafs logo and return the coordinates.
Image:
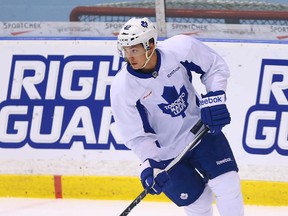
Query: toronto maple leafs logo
(144, 24)
(184, 196)
(176, 102)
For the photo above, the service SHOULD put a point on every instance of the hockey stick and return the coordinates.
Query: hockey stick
(189, 147)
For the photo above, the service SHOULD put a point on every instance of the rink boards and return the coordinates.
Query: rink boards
(57, 135)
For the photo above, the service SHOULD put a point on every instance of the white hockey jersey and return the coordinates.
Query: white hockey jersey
(155, 112)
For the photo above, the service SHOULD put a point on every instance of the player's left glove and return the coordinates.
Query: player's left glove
(214, 112)
(153, 176)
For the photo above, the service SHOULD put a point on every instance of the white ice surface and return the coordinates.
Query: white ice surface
(73, 207)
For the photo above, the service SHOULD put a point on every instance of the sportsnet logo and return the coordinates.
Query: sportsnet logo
(266, 123)
(54, 101)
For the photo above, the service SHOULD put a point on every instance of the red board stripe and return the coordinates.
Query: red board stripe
(58, 186)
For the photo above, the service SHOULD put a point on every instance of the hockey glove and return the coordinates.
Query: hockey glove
(214, 112)
(153, 177)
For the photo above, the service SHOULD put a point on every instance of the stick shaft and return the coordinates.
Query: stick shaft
(134, 203)
(189, 147)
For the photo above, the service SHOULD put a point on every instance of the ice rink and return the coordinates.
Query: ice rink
(72, 207)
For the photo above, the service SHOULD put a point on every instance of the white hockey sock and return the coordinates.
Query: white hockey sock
(202, 206)
(227, 190)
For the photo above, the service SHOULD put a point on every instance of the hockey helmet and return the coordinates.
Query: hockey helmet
(137, 31)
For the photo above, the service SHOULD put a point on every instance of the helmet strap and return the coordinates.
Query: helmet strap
(147, 58)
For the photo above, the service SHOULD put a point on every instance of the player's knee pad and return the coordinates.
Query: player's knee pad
(187, 185)
(227, 190)
(226, 185)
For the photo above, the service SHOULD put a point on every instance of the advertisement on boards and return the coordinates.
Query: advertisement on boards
(56, 118)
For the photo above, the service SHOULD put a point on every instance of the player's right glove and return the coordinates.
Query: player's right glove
(153, 176)
(214, 112)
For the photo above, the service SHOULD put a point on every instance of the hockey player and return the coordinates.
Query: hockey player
(155, 106)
